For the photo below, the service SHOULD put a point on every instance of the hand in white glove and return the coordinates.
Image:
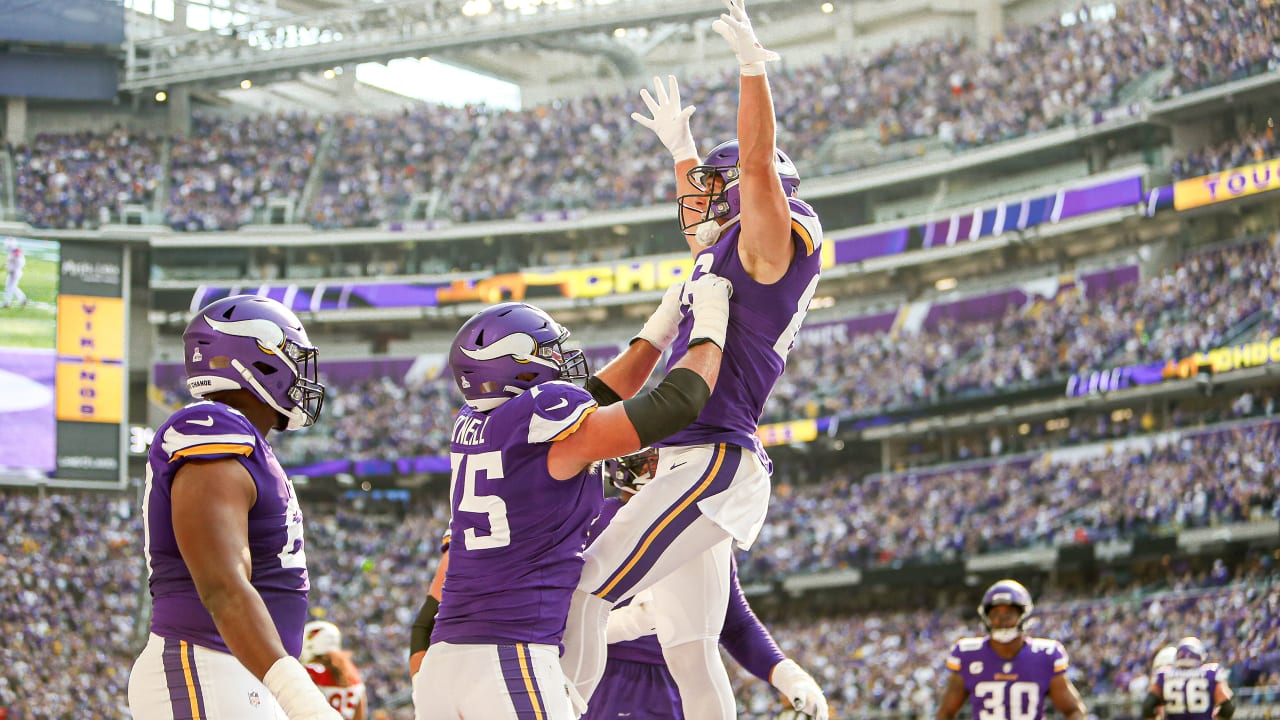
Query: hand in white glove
(632, 621)
(800, 689)
(735, 28)
(670, 122)
(661, 327)
(708, 296)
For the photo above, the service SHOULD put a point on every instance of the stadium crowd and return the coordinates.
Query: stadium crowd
(1226, 294)
(1204, 479)
(70, 613)
(584, 153)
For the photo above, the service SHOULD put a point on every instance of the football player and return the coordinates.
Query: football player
(223, 533)
(742, 221)
(526, 485)
(636, 683)
(332, 669)
(1007, 673)
(15, 261)
(1190, 688)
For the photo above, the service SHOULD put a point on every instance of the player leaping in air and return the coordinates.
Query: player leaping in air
(742, 221)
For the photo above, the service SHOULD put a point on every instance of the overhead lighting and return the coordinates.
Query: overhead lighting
(828, 8)
(945, 284)
(161, 96)
(330, 74)
(619, 32)
(246, 84)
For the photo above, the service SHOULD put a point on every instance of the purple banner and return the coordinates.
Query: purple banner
(1104, 381)
(1101, 197)
(1020, 215)
(856, 249)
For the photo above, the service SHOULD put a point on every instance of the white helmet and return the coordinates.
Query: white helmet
(1164, 658)
(319, 638)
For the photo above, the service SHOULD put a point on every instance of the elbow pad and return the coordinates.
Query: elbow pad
(1150, 704)
(669, 407)
(601, 392)
(1227, 709)
(420, 634)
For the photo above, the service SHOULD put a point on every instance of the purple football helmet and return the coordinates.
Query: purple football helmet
(255, 344)
(725, 202)
(1190, 652)
(1006, 592)
(631, 472)
(508, 348)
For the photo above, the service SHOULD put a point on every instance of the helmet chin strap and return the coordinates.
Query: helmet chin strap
(297, 419)
(707, 233)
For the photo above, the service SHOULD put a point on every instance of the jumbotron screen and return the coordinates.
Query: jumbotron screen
(62, 363)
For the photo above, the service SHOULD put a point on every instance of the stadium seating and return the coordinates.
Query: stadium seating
(474, 164)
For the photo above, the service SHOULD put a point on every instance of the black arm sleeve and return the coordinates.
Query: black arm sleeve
(1150, 704)
(420, 635)
(603, 394)
(1227, 709)
(668, 408)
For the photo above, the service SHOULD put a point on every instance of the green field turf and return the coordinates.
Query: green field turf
(33, 326)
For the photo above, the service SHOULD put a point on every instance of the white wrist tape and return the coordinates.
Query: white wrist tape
(300, 699)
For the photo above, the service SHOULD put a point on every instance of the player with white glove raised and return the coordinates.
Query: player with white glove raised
(741, 220)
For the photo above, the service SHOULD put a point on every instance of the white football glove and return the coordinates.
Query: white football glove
(800, 688)
(297, 695)
(708, 296)
(661, 327)
(670, 122)
(735, 28)
(632, 621)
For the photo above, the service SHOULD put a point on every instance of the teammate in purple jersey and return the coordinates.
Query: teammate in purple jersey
(741, 221)
(223, 530)
(1007, 673)
(525, 487)
(636, 683)
(1190, 688)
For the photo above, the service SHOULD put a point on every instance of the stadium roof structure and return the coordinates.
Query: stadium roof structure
(277, 40)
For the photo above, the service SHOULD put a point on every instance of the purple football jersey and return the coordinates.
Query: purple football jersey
(206, 431)
(517, 534)
(763, 322)
(1188, 692)
(1016, 688)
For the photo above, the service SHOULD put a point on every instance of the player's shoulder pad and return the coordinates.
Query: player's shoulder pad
(805, 225)
(208, 430)
(557, 410)
(961, 647)
(1052, 648)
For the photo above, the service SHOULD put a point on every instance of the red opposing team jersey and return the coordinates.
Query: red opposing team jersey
(344, 699)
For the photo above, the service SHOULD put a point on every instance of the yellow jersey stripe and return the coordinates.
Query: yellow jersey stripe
(522, 652)
(212, 449)
(803, 233)
(186, 651)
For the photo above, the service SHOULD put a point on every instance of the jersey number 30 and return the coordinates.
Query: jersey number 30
(1007, 700)
(491, 506)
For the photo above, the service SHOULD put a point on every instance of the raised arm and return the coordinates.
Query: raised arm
(670, 122)
(765, 244)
